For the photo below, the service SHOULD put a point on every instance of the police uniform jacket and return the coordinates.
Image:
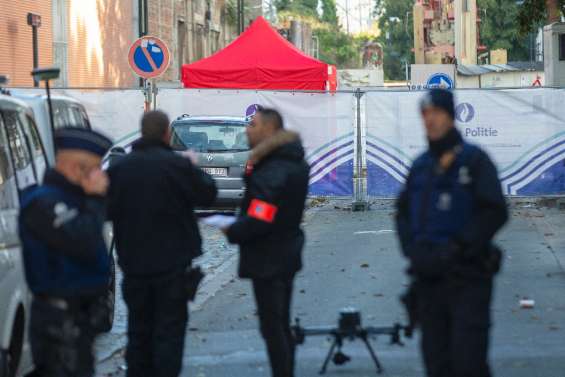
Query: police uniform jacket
(447, 219)
(268, 228)
(61, 232)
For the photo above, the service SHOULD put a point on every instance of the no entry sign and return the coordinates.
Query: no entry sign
(149, 57)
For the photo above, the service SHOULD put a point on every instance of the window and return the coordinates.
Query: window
(61, 116)
(562, 47)
(19, 150)
(214, 41)
(8, 192)
(85, 119)
(9, 200)
(32, 137)
(66, 114)
(210, 136)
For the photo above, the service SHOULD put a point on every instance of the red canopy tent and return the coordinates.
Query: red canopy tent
(259, 59)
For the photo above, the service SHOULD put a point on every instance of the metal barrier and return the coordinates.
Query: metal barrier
(361, 143)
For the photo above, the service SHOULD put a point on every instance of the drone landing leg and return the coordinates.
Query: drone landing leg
(373, 355)
(329, 357)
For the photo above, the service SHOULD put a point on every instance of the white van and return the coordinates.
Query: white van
(22, 163)
(66, 112)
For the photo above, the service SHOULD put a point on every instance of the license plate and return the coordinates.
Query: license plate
(217, 172)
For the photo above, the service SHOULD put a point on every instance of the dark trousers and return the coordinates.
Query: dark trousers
(273, 298)
(455, 322)
(157, 320)
(62, 334)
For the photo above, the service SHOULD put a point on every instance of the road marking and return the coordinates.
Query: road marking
(382, 231)
(216, 281)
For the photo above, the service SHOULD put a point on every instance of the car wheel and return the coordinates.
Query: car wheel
(110, 299)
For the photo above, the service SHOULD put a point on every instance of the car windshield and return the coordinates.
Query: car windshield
(210, 136)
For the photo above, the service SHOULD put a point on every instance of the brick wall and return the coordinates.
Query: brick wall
(16, 59)
(162, 25)
(182, 25)
(100, 33)
(91, 38)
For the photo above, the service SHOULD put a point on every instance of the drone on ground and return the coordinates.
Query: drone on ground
(349, 328)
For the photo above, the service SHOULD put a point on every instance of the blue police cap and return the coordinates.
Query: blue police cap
(82, 139)
(440, 98)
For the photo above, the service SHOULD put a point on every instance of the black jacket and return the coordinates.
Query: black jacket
(153, 192)
(469, 251)
(268, 228)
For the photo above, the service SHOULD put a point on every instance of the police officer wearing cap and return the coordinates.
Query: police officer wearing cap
(268, 230)
(67, 264)
(448, 213)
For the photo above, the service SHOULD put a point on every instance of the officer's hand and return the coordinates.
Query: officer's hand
(96, 183)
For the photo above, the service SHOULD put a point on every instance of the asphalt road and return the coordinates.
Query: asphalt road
(352, 259)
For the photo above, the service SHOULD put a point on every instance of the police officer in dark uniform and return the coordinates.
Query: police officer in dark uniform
(448, 213)
(67, 264)
(152, 198)
(268, 230)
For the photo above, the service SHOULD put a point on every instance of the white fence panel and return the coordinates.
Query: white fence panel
(523, 130)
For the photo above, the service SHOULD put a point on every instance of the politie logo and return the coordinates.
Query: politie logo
(440, 81)
(464, 112)
(251, 110)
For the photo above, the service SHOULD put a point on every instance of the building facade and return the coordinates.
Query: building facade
(89, 40)
(16, 59)
(193, 29)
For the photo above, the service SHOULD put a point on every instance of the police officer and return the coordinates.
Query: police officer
(268, 230)
(152, 198)
(448, 213)
(66, 261)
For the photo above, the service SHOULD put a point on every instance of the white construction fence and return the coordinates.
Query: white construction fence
(374, 134)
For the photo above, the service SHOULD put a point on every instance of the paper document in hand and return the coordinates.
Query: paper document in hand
(219, 221)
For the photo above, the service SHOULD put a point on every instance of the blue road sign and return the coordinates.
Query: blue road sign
(440, 80)
(149, 57)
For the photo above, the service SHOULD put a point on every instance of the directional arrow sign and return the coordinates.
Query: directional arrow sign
(440, 80)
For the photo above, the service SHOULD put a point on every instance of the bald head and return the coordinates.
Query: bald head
(155, 126)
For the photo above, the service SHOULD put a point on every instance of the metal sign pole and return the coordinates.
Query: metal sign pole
(146, 96)
(360, 202)
(154, 92)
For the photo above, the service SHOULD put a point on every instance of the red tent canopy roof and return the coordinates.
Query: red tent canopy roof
(259, 59)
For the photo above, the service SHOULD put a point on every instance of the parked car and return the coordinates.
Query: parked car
(220, 143)
(22, 163)
(222, 149)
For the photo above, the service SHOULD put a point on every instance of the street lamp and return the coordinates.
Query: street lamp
(34, 20)
(47, 74)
